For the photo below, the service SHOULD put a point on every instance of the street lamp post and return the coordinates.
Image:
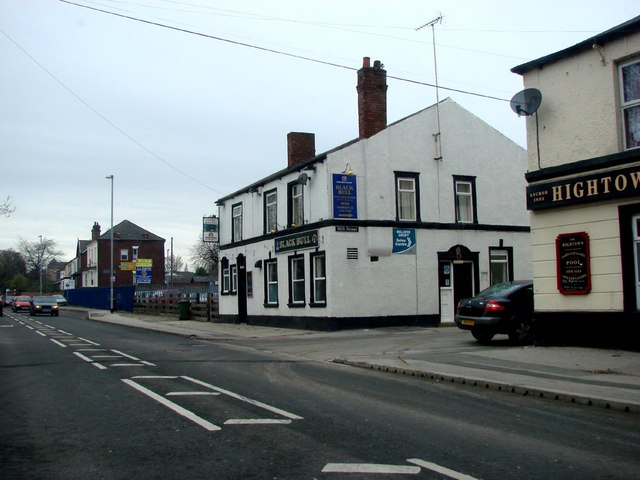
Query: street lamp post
(111, 279)
(41, 256)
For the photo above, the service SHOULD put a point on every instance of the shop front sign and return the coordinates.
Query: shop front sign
(584, 189)
(296, 241)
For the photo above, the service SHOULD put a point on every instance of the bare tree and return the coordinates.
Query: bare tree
(39, 253)
(205, 255)
(176, 266)
(7, 208)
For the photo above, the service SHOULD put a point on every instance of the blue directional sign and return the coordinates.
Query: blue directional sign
(404, 240)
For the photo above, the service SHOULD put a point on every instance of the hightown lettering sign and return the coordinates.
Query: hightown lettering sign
(590, 188)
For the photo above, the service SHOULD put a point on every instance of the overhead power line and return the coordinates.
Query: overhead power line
(277, 52)
(109, 122)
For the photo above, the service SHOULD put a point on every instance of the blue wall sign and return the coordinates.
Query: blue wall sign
(404, 240)
(345, 198)
(143, 274)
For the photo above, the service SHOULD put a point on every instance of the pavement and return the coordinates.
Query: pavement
(602, 378)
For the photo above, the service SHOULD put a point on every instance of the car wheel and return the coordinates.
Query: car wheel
(482, 336)
(522, 332)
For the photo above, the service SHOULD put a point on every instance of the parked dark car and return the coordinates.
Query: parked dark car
(21, 302)
(1, 306)
(45, 305)
(60, 299)
(503, 308)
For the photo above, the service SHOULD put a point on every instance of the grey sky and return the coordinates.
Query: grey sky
(182, 119)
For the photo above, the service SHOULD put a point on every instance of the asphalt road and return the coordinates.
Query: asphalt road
(82, 399)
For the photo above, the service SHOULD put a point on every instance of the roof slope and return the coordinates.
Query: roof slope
(624, 29)
(127, 230)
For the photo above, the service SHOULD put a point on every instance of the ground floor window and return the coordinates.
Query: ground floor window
(629, 222)
(499, 265)
(271, 283)
(635, 221)
(319, 279)
(296, 281)
(234, 278)
(226, 284)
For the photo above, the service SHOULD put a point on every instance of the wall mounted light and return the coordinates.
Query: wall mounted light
(347, 170)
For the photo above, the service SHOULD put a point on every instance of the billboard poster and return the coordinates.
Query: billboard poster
(345, 201)
(210, 229)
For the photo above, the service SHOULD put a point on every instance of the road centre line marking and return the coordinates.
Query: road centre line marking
(38, 321)
(439, 469)
(28, 326)
(187, 394)
(58, 343)
(370, 468)
(126, 365)
(246, 399)
(6, 326)
(40, 333)
(257, 421)
(105, 356)
(89, 341)
(169, 404)
(98, 365)
(92, 350)
(168, 377)
(148, 363)
(125, 355)
(62, 331)
(78, 344)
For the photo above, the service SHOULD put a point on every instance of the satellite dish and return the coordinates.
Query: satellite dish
(527, 101)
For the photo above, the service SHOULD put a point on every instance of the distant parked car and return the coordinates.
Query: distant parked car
(21, 302)
(60, 299)
(47, 305)
(505, 308)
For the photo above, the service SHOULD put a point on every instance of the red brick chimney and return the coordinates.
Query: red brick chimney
(372, 98)
(300, 147)
(95, 231)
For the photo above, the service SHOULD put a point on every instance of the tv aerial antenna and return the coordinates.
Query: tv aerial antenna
(437, 135)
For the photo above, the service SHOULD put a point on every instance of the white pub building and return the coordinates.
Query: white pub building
(391, 228)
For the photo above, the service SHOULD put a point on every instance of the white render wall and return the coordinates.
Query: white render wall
(579, 117)
(395, 284)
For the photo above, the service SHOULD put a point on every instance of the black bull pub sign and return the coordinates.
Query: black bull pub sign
(589, 188)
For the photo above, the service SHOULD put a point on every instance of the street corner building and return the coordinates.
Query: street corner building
(584, 188)
(391, 228)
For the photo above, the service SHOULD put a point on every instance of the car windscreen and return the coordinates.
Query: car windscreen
(500, 289)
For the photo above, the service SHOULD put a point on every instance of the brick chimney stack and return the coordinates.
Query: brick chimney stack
(300, 147)
(95, 231)
(372, 98)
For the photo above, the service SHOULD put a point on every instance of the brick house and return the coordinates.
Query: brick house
(131, 244)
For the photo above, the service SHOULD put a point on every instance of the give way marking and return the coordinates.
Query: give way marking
(381, 469)
(212, 390)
